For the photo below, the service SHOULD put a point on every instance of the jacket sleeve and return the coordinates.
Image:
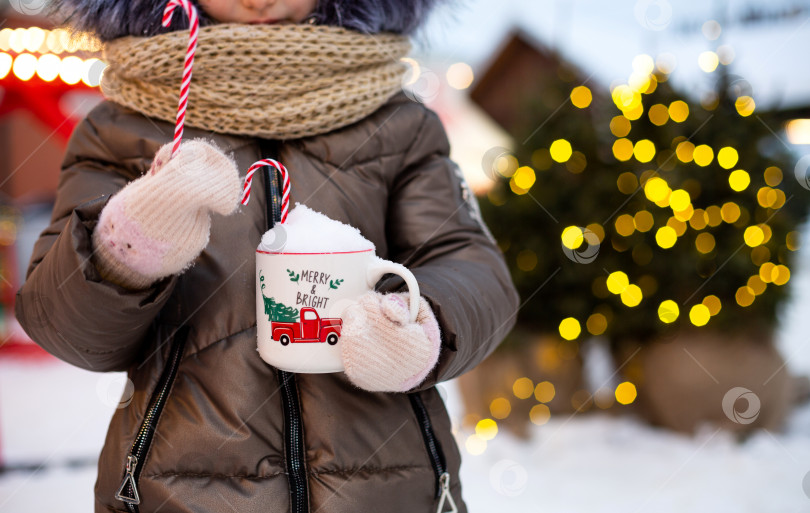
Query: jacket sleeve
(64, 305)
(435, 229)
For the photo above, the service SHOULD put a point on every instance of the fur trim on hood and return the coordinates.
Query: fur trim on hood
(111, 19)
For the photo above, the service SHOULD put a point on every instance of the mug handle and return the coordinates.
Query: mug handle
(380, 267)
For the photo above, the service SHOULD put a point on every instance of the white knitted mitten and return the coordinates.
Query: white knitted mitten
(159, 223)
(382, 350)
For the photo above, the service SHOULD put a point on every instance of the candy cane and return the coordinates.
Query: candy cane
(194, 23)
(285, 180)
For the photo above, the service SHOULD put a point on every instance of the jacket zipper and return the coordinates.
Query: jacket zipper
(128, 491)
(435, 453)
(293, 427)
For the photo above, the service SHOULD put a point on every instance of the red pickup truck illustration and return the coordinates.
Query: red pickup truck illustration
(311, 329)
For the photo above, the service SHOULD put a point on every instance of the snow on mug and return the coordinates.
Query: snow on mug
(308, 270)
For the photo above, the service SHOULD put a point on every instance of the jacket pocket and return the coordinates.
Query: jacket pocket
(435, 454)
(128, 491)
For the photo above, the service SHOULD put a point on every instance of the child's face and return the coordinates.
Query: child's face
(258, 11)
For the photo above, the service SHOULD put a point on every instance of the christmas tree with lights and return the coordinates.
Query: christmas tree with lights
(645, 212)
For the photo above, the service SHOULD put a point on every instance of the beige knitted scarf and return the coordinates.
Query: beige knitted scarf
(270, 81)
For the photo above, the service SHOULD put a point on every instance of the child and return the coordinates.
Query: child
(148, 267)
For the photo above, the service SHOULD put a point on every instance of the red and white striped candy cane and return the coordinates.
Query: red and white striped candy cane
(194, 23)
(285, 184)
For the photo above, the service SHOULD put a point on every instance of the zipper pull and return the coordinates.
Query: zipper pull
(132, 462)
(444, 480)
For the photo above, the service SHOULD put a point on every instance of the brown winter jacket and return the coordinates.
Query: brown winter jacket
(213, 427)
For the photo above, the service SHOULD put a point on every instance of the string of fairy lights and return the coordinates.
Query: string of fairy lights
(49, 55)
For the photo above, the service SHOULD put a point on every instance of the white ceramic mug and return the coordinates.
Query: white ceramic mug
(300, 298)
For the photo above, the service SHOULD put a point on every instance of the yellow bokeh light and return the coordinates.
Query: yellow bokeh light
(704, 242)
(48, 67)
(596, 324)
(644, 150)
(524, 177)
(643, 63)
(71, 70)
(658, 114)
(792, 241)
(643, 221)
(5, 64)
(486, 429)
(570, 328)
(544, 392)
(526, 260)
(730, 212)
(754, 236)
(699, 315)
(767, 197)
(685, 151)
(623, 149)
(708, 61)
(656, 189)
(620, 126)
(668, 311)
(626, 393)
(679, 200)
(727, 157)
(460, 75)
(25, 65)
(632, 295)
(635, 112)
(780, 275)
(773, 176)
(745, 106)
(756, 284)
(500, 407)
(744, 296)
(666, 237)
(678, 111)
(624, 225)
(699, 219)
(617, 282)
(560, 150)
(627, 182)
(714, 215)
(539, 414)
(572, 237)
(36, 36)
(475, 445)
(739, 180)
(523, 388)
(597, 230)
(712, 302)
(703, 155)
(581, 97)
(677, 225)
(766, 272)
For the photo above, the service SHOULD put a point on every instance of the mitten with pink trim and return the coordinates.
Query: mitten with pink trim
(159, 223)
(382, 350)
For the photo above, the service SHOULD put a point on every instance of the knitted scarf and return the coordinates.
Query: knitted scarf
(270, 81)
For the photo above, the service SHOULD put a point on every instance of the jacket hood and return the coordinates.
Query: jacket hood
(111, 19)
